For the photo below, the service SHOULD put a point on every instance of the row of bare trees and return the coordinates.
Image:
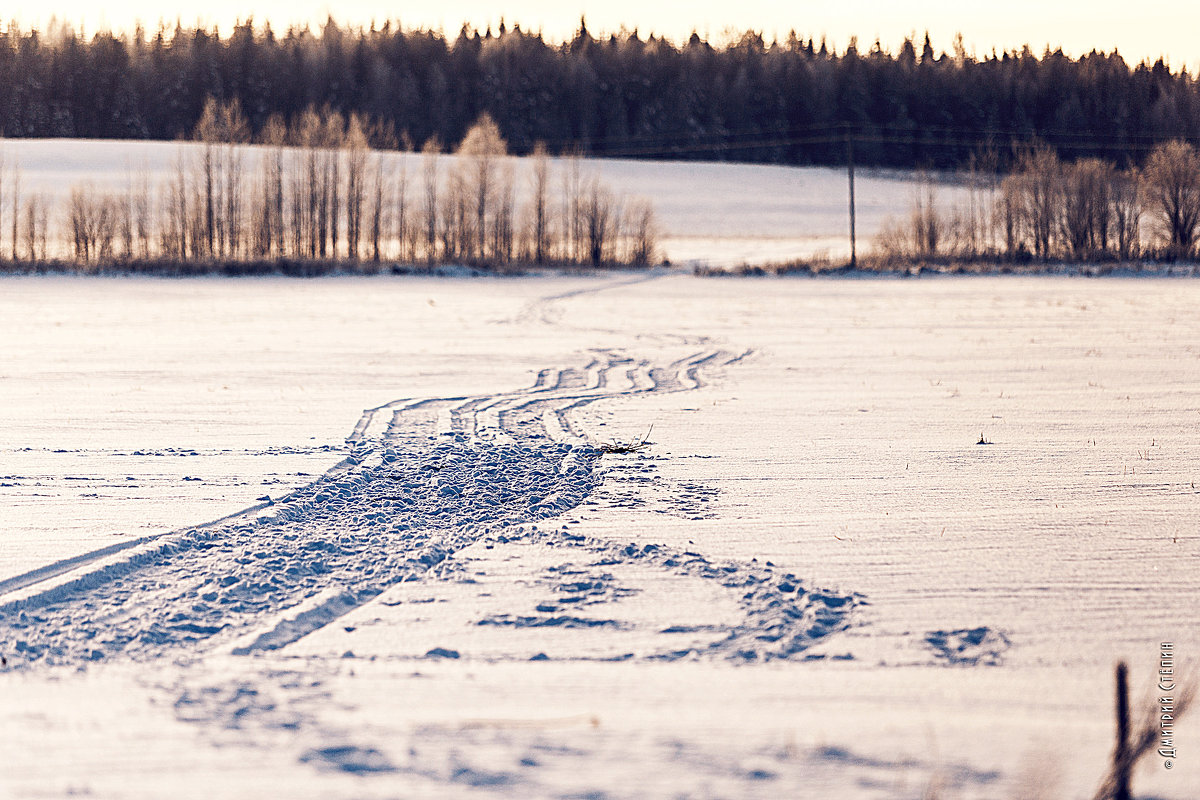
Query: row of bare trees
(1050, 209)
(472, 215)
(28, 218)
(326, 189)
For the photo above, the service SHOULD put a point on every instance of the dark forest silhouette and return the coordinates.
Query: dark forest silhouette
(791, 101)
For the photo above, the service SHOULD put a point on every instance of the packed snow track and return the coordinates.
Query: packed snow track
(426, 479)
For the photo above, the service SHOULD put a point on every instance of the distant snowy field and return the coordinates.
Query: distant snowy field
(710, 213)
(812, 583)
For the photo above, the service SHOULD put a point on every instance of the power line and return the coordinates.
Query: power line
(912, 139)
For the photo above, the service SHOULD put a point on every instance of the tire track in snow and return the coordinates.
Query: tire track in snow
(426, 477)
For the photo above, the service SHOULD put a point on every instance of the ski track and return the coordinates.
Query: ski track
(425, 478)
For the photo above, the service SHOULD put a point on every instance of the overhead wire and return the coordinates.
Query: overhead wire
(925, 139)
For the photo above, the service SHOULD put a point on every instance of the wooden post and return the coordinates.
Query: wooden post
(1121, 756)
(850, 174)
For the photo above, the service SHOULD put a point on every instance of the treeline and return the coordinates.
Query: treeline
(790, 101)
(1047, 209)
(326, 190)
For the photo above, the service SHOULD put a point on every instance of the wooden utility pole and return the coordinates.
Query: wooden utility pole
(850, 173)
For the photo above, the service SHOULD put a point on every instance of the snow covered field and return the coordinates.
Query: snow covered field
(812, 583)
(710, 213)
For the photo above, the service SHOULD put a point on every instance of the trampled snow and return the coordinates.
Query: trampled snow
(811, 582)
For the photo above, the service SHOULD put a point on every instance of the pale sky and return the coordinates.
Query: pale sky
(1146, 29)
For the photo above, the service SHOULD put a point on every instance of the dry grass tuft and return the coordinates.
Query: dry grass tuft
(627, 447)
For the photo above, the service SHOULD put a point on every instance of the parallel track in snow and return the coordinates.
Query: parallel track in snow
(426, 477)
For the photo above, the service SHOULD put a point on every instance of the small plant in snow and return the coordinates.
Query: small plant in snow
(627, 447)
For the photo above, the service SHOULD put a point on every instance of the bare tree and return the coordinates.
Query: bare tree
(894, 240)
(383, 137)
(234, 133)
(1086, 209)
(39, 224)
(36, 223)
(174, 232)
(540, 219)
(274, 137)
(572, 201)
(1011, 212)
(1127, 213)
(16, 208)
(455, 217)
(481, 148)
(106, 211)
(333, 140)
(124, 221)
(259, 232)
(430, 175)
(93, 221)
(404, 231)
(929, 229)
(79, 211)
(596, 215)
(1042, 187)
(310, 185)
(1102, 178)
(207, 132)
(221, 131)
(356, 177)
(503, 216)
(984, 213)
(378, 193)
(1171, 180)
(643, 232)
(302, 182)
(142, 212)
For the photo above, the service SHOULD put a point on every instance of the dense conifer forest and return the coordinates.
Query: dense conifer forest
(791, 102)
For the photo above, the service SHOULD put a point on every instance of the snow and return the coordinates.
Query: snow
(812, 582)
(709, 213)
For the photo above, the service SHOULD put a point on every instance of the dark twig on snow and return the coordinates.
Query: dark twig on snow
(627, 447)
